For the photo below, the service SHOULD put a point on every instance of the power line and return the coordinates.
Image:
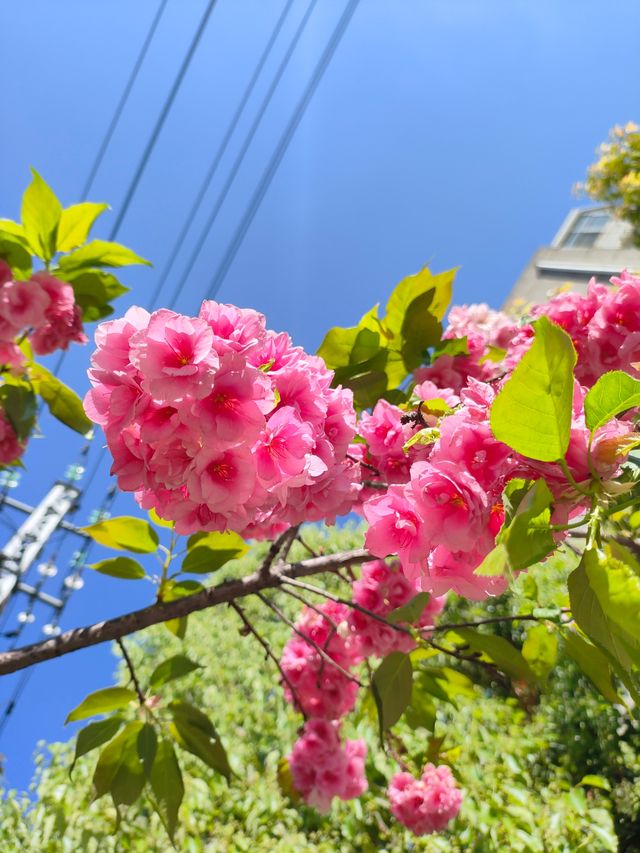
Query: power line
(123, 101)
(220, 152)
(133, 186)
(285, 139)
(242, 153)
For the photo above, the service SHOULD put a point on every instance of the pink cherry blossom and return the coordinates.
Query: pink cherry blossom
(23, 303)
(11, 447)
(322, 768)
(427, 804)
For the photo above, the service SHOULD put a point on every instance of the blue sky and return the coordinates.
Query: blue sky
(447, 133)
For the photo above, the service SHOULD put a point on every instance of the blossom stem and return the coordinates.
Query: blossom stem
(248, 627)
(308, 640)
(132, 671)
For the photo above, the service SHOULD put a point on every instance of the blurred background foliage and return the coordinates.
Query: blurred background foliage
(521, 757)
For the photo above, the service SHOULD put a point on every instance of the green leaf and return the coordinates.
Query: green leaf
(595, 781)
(617, 588)
(120, 567)
(63, 403)
(391, 686)
(532, 412)
(195, 732)
(168, 670)
(440, 287)
(178, 627)
(540, 650)
(167, 785)
(154, 518)
(208, 552)
(495, 564)
(202, 560)
(411, 611)
(419, 330)
(100, 253)
(500, 651)
(426, 436)
(129, 776)
(285, 781)
(15, 230)
(228, 541)
(101, 702)
(619, 647)
(526, 534)
(40, 217)
(173, 590)
(452, 347)
(116, 755)
(147, 746)
(125, 533)
(421, 710)
(16, 254)
(613, 393)
(18, 403)
(593, 664)
(94, 735)
(94, 291)
(76, 222)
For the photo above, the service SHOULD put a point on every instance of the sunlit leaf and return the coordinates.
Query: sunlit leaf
(593, 664)
(540, 650)
(40, 213)
(532, 412)
(63, 403)
(118, 754)
(612, 394)
(100, 253)
(125, 533)
(120, 567)
(76, 222)
(101, 702)
(500, 651)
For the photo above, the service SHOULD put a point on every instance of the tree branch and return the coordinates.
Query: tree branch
(163, 611)
(132, 672)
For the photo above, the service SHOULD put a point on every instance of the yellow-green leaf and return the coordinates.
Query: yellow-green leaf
(125, 533)
(76, 222)
(40, 217)
(532, 412)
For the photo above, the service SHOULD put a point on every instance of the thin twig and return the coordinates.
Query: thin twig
(364, 464)
(307, 639)
(456, 653)
(269, 652)
(311, 606)
(524, 617)
(306, 547)
(132, 672)
(352, 604)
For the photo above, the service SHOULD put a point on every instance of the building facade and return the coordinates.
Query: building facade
(590, 242)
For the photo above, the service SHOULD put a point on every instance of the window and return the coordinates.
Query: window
(586, 228)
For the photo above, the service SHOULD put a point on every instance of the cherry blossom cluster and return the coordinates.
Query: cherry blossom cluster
(321, 689)
(325, 691)
(443, 509)
(322, 768)
(11, 448)
(487, 334)
(427, 804)
(44, 311)
(381, 589)
(44, 308)
(219, 423)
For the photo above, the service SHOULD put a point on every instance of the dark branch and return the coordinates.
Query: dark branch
(164, 611)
